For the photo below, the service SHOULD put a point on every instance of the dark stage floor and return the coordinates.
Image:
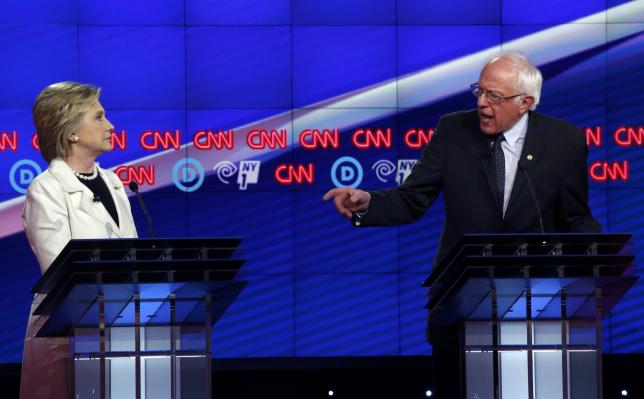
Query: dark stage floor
(381, 377)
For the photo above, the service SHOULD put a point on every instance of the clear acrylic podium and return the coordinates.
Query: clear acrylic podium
(139, 313)
(529, 309)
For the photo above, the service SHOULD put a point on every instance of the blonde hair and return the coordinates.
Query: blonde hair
(57, 111)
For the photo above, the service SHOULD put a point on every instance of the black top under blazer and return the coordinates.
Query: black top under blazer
(458, 162)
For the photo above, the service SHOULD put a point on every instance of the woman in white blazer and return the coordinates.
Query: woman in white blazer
(73, 198)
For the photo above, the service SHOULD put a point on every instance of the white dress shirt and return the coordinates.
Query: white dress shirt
(512, 147)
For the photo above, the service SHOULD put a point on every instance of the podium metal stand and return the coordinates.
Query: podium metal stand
(139, 313)
(529, 308)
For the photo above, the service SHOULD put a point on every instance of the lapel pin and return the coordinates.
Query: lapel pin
(529, 157)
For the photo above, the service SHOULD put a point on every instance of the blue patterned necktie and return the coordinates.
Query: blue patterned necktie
(499, 166)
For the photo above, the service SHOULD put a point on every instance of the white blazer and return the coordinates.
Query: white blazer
(59, 207)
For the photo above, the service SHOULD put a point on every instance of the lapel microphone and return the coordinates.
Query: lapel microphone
(135, 189)
(96, 198)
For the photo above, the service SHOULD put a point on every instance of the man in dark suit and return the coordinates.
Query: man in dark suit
(481, 161)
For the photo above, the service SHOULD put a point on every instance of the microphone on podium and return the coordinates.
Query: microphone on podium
(135, 189)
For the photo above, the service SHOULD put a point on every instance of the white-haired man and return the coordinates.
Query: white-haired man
(479, 160)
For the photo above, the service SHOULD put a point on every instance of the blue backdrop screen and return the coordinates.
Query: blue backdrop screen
(268, 104)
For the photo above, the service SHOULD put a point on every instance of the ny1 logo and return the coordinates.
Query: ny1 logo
(248, 172)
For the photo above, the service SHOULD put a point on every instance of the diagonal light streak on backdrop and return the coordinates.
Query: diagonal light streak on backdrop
(414, 90)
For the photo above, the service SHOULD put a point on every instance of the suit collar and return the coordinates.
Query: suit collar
(488, 170)
(81, 195)
(65, 176)
(530, 156)
(484, 152)
(119, 200)
(517, 131)
(70, 183)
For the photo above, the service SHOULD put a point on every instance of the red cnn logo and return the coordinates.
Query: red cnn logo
(312, 139)
(416, 139)
(602, 171)
(593, 136)
(141, 174)
(10, 141)
(119, 140)
(34, 142)
(260, 139)
(207, 139)
(627, 136)
(366, 138)
(290, 174)
(152, 140)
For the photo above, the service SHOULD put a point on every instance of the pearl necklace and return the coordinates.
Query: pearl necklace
(93, 176)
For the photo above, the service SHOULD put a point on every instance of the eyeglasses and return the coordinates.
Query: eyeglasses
(492, 96)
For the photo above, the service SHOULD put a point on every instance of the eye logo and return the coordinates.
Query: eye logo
(22, 173)
(384, 168)
(346, 172)
(188, 174)
(225, 170)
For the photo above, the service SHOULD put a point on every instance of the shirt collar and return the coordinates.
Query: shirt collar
(518, 131)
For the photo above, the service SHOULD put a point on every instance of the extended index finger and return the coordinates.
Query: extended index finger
(331, 193)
